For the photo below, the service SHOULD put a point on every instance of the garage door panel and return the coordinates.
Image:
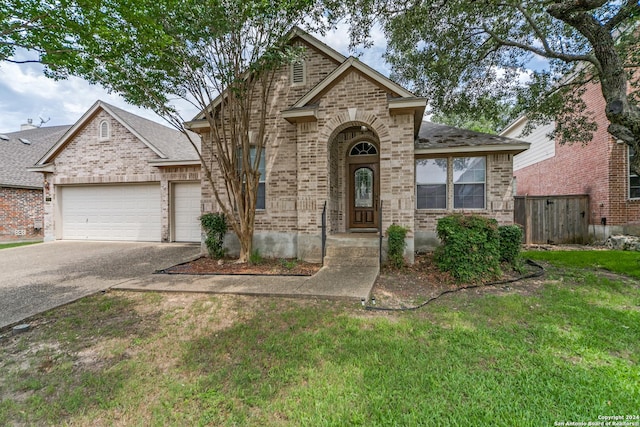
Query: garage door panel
(186, 212)
(119, 212)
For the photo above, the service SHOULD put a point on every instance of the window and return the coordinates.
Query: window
(469, 182)
(634, 180)
(298, 74)
(103, 130)
(363, 149)
(431, 183)
(261, 198)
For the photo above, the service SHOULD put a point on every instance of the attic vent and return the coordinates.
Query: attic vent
(4, 137)
(25, 141)
(103, 130)
(298, 72)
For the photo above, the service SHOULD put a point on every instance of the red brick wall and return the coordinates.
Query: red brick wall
(19, 208)
(598, 169)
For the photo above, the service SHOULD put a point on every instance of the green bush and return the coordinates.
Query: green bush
(215, 227)
(510, 244)
(396, 243)
(255, 257)
(470, 248)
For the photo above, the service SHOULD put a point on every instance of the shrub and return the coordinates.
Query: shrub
(215, 227)
(255, 257)
(396, 243)
(510, 244)
(470, 248)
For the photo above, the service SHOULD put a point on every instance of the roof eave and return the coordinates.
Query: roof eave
(169, 163)
(300, 115)
(505, 149)
(47, 167)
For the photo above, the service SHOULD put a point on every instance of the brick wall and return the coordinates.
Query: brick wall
(499, 196)
(598, 169)
(20, 209)
(122, 158)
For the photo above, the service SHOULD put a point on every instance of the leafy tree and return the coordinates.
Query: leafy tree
(39, 26)
(457, 52)
(491, 117)
(220, 56)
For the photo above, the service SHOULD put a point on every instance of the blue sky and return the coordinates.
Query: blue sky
(25, 93)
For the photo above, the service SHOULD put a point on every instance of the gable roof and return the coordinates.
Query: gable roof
(168, 144)
(16, 156)
(435, 138)
(342, 70)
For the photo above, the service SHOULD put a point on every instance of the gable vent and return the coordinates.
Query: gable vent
(4, 137)
(25, 141)
(297, 72)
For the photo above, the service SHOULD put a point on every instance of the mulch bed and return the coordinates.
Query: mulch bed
(268, 266)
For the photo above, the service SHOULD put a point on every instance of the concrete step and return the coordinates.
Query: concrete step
(351, 261)
(352, 250)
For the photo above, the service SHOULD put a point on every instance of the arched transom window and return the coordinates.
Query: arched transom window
(363, 149)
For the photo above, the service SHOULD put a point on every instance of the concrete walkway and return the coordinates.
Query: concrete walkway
(330, 283)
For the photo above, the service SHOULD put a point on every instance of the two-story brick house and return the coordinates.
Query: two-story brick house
(344, 136)
(599, 169)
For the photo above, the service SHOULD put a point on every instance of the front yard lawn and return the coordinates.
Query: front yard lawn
(621, 262)
(16, 244)
(561, 348)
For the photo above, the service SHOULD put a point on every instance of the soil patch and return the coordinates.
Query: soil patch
(268, 267)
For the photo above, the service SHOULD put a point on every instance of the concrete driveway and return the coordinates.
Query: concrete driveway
(39, 277)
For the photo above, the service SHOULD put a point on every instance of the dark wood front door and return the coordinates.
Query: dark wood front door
(363, 195)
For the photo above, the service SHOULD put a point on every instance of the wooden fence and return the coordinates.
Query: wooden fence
(553, 219)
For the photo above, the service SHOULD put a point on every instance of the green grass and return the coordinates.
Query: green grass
(566, 351)
(14, 245)
(621, 262)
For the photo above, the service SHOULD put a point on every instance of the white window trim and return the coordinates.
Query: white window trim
(450, 186)
(484, 183)
(630, 175)
(446, 184)
(100, 136)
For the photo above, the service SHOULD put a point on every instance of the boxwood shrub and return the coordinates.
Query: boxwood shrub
(470, 248)
(510, 244)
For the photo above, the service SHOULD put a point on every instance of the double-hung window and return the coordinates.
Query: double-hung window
(431, 183)
(261, 197)
(469, 179)
(634, 180)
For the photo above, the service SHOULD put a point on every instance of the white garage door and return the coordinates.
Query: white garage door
(186, 212)
(111, 212)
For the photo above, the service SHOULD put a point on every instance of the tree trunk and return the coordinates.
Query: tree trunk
(624, 117)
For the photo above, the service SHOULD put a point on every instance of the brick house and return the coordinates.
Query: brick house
(343, 135)
(21, 200)
(116, 176)
(599, 169)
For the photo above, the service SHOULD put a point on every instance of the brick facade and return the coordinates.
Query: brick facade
(21, 214)
(598, 169)
(308, 162)
(123, 158)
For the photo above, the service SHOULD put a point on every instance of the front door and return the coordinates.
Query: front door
(363, 195)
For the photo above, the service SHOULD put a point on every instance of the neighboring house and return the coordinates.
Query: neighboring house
(116, 176)
(21, 200)
(343, 135)
(599, 169)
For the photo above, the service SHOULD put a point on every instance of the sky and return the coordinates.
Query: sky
(25, 92)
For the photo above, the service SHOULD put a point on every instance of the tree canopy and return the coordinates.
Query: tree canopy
(459, 52)
(217, 55)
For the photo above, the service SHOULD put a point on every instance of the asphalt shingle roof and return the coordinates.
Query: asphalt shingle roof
(171, 142)
(434, 135)
(16, 156)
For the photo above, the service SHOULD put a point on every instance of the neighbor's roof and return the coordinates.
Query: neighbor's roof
(435, 138)
(169, 144)
(16, 156)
